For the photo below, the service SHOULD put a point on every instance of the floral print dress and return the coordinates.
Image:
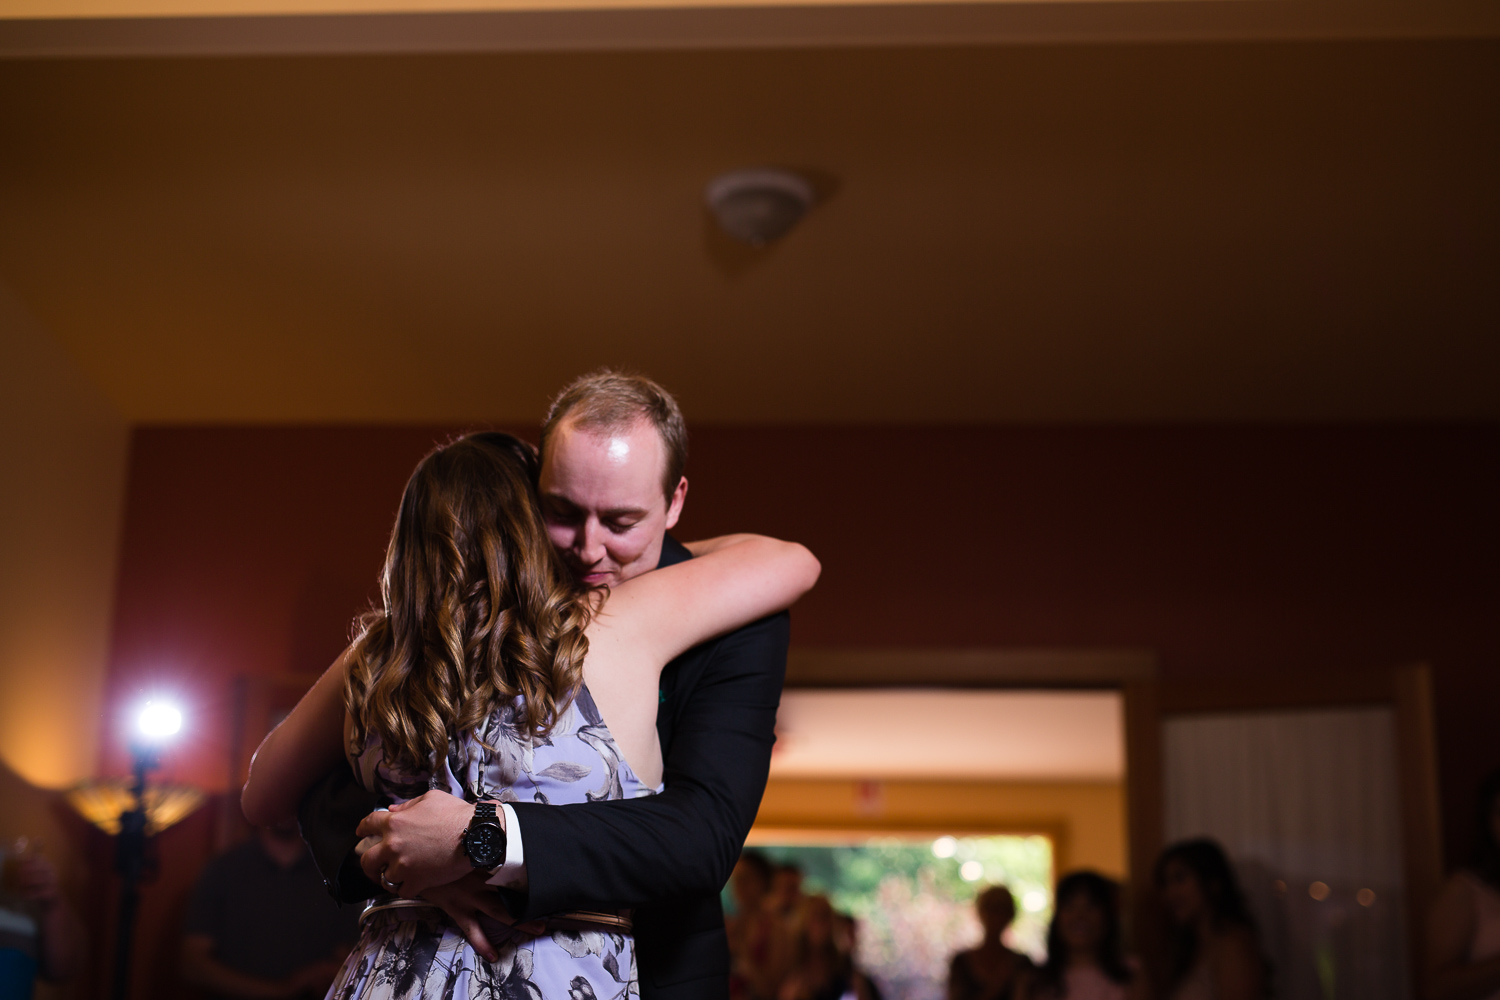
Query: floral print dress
(415, 953)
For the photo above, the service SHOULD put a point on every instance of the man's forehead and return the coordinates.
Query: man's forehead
(635, 448)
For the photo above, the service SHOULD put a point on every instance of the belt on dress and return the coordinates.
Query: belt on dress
(573, 920)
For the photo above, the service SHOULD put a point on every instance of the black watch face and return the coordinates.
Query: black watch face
(484, 845)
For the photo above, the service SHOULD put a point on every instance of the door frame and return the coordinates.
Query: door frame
(1133, 673)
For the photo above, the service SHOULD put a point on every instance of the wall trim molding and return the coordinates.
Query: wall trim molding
(841, 666)
(1020, 22)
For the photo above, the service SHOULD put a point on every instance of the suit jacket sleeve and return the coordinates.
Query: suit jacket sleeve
(328, 814)
(684, 841)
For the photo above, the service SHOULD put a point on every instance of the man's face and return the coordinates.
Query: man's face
(602, 498)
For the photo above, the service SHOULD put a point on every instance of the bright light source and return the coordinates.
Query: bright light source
(944, 847)
(1366, 897)
(972, 871)
(1319, 891)
(1034, 901)
(158, 720)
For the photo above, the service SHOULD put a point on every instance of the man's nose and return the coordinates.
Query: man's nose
(592, 542)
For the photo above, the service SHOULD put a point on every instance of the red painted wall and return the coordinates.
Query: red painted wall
(1231, 552)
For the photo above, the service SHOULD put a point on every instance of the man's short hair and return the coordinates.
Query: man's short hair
(607, 400)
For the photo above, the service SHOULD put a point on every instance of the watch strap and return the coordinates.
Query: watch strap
(484, 816)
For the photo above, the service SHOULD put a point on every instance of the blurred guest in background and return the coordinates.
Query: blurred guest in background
(1215, 948)
(1085, 957)
(992, 971)
(757, 938)
(261, 924)
(861, 986)
(786, 891)
(40, 935)
(1463, 929)
(819, 968)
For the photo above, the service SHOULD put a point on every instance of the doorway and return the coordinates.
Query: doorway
(902, 802)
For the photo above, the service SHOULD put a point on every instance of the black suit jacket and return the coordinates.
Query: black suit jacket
(665, 856)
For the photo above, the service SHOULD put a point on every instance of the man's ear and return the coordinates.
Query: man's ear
(679, 497)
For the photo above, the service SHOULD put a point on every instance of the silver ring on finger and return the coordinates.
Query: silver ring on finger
(393, 886)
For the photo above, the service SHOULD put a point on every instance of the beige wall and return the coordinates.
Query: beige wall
(63, 449)
(1086, 820)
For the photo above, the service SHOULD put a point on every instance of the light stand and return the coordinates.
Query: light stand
(126, 809)
(122, 808)
(131, 863)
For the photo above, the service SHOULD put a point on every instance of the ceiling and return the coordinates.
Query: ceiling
(1226, 231)
(979, 735)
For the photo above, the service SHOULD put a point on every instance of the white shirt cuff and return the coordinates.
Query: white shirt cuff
(511, 873)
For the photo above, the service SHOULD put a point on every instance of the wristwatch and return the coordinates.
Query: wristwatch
(484, 841)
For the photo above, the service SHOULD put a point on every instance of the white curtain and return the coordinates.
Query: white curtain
(1306, 805)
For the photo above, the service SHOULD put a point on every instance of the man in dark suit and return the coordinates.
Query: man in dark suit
(613, 449)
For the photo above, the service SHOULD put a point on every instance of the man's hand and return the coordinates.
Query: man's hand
(415, 845)
(466, 900)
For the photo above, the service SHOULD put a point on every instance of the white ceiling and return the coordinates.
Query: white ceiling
(993, 735)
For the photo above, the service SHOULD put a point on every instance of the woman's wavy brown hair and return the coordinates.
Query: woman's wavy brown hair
(476, 608)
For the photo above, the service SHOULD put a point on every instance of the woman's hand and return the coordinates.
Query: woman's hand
(466, 900)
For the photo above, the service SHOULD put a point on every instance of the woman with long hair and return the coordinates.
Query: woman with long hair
(1085, 956)
(1215, 948)
(488, 674)
(1463, 929)
(992, 971)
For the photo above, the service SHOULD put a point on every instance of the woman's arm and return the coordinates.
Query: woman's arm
(1450, 932)
(704, 546)
(305, 747)
(731, 581)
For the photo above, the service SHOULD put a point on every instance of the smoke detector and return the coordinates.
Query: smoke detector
(758, 206)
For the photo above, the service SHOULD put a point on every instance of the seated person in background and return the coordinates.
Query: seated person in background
(1215, 948)
(1085, 960)
(991, 971)
(40, 935)
(1463, 929)
(261, 924)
